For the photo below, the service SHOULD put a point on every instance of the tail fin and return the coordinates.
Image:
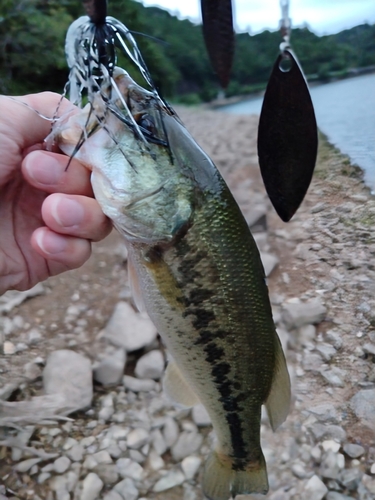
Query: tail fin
(223, 480)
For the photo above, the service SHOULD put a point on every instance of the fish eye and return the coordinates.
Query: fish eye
(147, 123)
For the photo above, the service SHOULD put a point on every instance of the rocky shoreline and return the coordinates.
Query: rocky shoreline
(63, 437)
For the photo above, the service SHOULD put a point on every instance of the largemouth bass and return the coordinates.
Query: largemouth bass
(194, 267)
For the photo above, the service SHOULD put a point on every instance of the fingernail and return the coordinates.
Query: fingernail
(43, 168)
(51, 243)
(66, 212)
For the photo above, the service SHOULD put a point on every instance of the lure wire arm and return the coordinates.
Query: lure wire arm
(285, 25)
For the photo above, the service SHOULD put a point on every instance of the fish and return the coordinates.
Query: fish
(193, 266)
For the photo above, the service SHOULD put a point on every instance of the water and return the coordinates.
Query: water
(345, 112)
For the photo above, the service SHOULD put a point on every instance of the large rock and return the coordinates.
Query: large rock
(69, 374)
(129, 329)
(314, 489)
(303, 313)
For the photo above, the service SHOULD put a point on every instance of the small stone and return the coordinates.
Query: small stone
(350, 478)
(363, 405)
(76, 453)
(26, 465)
(137, 456)
(92, 486)
(34, 336)
(306, 334)
(158, 442)
(137, 438)
(314, 489)
(108, 473)
(372, 470)
(61, 464)
(334, 432)
(102, 457)
(299, 471)
(90, 462)
(69, 373)
(353, 450)
(326, 351)
(42, 478)
(69, 443)
(369, 483)
(329, 467)
(111, 368)
(155, 461)
(139, 385)
(128, 468)
(170, 480)
(127, 489)
(200, 416)
(129, 329)
(113, 495)
(170, 431)
(332, 378)
(190, 466)
(299, 314)
(32, 371)
(331, 445)
(269, 261)
(150, 365)
(324, 412)
(8, 348)
(106, 413)
(187, 444)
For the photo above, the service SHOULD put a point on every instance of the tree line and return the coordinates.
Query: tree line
(32, 34)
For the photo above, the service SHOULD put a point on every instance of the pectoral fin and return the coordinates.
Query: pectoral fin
(278, 401)
(177, 388)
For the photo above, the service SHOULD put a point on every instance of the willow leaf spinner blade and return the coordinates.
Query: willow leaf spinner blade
(287, 134)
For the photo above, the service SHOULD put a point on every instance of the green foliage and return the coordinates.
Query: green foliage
(32, 34)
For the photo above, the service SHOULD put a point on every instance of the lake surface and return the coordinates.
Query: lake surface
(345, 112)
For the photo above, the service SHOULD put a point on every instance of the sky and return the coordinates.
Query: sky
(254, 16)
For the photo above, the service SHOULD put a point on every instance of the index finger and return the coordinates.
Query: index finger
(22, 116)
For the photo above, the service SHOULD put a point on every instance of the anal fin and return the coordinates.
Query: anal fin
(278, 401)
(177, 388)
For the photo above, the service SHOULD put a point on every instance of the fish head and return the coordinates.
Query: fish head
(120, 136)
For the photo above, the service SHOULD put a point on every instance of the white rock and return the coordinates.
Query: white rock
(71, 480)
(170, 431)
(138, 385)
(90, 462)
(155, 461)
(269, 262)
(69, 373)
(363, 405)
(137, 438)
(110, 369)
(170, 480)
(102, 457)
(32, 371)
(8, 348)
(151, 365)
(34, 336)
(200, 416)
(314, 489)
(113, 495)
(190, 466)
(43, 477)
(26, 465)
(61, 464)
(127, 489)
(330, 445)
(372, 470)
(129, 329)
(129, 468)
(69, 443)
(299, 314)
(187, 444)
(76, 453)
(158, 442)
(92, 486)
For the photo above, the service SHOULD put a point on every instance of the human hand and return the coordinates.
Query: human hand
(48, 216)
